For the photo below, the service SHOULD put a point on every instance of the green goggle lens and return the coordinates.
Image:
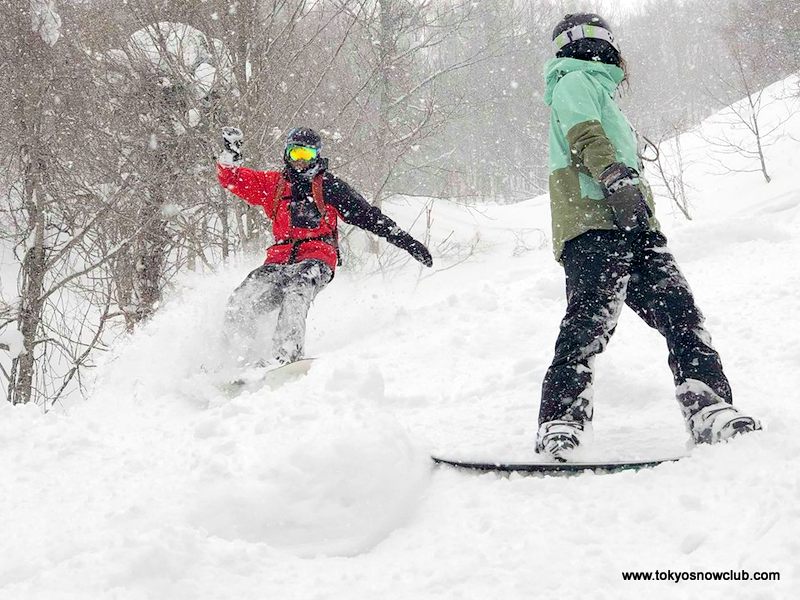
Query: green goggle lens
(301, 152)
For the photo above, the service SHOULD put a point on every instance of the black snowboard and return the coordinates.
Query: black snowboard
(553, 467)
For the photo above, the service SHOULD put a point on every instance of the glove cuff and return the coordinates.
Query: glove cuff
(226, 157)
(398, 237)
(617, 176)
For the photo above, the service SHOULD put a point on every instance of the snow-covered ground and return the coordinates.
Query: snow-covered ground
(160, 486)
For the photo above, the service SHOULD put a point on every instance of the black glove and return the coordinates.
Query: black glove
(621, 189)
(414, 248)
(232, 140)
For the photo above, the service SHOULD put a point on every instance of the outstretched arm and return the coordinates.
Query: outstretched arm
(355, 210)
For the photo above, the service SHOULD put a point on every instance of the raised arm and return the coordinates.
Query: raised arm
(254, 187)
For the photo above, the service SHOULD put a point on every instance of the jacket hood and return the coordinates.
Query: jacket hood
(609, 76)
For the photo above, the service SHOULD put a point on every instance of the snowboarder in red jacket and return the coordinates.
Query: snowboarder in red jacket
(304, 202)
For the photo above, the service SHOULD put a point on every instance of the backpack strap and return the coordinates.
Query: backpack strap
(316, 192)
(319, 200)
(280, 188)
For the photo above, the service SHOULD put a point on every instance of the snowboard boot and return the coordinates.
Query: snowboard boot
(287, 352)
(560, 439)
(720, 422)
(282, 359)
(709, 417)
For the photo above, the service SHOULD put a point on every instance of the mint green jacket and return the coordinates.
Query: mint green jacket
(588, 132)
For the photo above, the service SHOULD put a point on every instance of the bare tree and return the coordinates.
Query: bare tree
(46, 216)
(405, 56)
(669, 163)
(168, 75)
(746, 116)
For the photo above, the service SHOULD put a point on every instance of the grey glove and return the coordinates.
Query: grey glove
(232, 140)
(621, 188)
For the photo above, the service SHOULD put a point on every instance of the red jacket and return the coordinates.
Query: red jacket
(305, 217)
(298, 235)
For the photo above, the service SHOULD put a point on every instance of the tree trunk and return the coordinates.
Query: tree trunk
(760, 147)
(386, 50)
(32, 272)
(150, 254)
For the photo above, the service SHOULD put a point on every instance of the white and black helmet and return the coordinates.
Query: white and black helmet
(586, 36)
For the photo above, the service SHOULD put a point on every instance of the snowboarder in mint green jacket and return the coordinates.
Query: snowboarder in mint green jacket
(606, 236)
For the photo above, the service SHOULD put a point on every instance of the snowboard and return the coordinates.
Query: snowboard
(554, 468)
(269, 378)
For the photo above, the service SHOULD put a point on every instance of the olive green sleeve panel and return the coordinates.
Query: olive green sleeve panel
(591, 147)
(572, 213)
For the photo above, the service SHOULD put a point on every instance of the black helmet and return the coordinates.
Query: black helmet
(303, 136)
(586, 36)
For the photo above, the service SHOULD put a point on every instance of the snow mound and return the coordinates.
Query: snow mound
(318, 466)
(310, 479)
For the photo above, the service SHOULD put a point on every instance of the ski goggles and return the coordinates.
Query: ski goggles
(580, 32)
(301, 152)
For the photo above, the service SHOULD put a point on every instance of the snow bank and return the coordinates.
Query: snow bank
(45, 20)
(11, 337)
(315, 476)
(316, 467)
(179, 50)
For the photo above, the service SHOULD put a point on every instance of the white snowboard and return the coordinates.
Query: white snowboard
(269, 378)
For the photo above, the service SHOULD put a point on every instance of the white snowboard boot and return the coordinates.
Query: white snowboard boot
(720, 422)
(709, 418)
(560, 439)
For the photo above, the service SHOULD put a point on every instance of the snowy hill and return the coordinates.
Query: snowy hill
(162, 487)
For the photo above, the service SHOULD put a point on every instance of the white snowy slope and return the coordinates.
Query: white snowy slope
(159, 486)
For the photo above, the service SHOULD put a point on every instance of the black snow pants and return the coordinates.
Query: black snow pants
(604, 270)
(290, 289)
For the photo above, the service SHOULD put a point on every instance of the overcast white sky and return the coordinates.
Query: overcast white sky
(615, 7)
